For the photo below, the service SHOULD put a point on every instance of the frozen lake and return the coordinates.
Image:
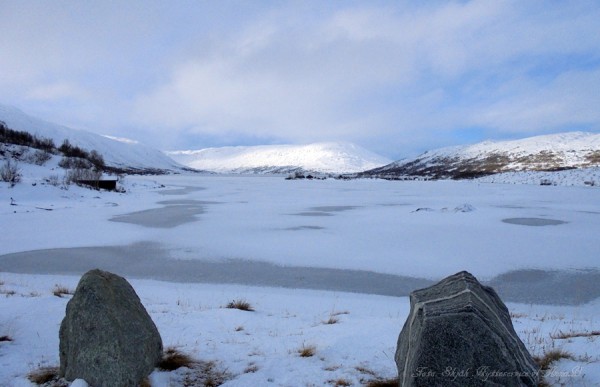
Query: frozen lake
(367, 236)
(303, 246)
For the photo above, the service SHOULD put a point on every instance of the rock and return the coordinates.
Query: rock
(466, 207)
(459, 333)
(107, 338)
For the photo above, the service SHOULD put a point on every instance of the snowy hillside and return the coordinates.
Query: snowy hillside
(321, 157)
(540, 153)
(119, 153)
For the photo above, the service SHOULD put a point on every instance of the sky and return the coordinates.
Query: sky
(396, 77)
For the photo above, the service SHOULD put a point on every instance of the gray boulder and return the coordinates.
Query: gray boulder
(107, 338)
(459, 333)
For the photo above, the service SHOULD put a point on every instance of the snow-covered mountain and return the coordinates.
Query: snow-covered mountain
(119, 153)
(541, 153)
(331, 157)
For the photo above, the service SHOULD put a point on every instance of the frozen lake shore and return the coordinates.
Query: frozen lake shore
(532, 243)
(150, 261)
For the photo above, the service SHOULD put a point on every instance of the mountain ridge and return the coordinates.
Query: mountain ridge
(326, 157)
(551, 152)
(122, 154)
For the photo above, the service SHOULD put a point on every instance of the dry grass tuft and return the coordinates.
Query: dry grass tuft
(241, 305)
(554, 355)
(383, 383)
(206, 374)
(339, 313)
(252, 368)
(45, 375)
(307, 351)
(514, 315)
(568, 335)
(174, 359)
(340, 382)
(365, 370)
(332, 320)
(60, 291)
(546, 361)
(199, 373)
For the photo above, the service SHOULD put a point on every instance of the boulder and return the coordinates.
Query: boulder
(107, 338)
(459, 333)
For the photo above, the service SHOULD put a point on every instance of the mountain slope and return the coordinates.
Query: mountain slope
(540, 153)
(118, 153)
(321, 157)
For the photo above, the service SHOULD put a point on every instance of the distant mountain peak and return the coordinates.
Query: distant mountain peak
(324, 157)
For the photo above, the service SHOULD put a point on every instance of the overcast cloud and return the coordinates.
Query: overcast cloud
(395, 77)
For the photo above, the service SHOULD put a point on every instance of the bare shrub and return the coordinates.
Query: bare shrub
(40, 157)
(97, 160)
(53, 180)
(74, 163)
(241, 305)
(10, 172)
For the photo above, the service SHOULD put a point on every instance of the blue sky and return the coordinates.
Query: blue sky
(397, 77)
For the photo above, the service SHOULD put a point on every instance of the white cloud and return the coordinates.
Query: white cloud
(569, 100)
(59, 90)
(385, 75)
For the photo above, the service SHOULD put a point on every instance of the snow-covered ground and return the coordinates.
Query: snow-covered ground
(262, 347)
(580, 177)
(421, 229)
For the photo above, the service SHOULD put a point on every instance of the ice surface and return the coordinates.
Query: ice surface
(359, 225)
